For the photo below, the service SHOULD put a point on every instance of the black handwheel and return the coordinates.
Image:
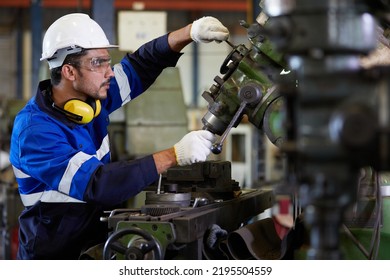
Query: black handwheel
(113, 244)
(235, 56)
(224, 67)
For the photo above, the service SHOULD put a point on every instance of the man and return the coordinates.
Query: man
(60, 148)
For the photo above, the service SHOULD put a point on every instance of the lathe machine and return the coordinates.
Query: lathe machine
(193, 207)
(301, 82)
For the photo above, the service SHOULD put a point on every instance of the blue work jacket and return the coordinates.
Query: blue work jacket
(63, 169)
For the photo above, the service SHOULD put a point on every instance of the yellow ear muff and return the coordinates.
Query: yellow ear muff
(82, 109)
(98, 107)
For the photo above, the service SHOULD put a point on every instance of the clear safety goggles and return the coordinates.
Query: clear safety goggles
(97, 64)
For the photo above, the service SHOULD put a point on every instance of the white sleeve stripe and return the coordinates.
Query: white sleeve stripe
(104, 148)
(47, 196)
(77, 161)
(19, 174)
(123, 83)
(73, 165)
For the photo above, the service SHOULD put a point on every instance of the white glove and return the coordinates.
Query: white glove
(194, 147)
(208, 29)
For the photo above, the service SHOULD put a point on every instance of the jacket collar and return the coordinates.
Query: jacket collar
(45, 103)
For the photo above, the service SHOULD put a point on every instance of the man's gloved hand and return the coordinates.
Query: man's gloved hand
(194, 147)
(208, 29)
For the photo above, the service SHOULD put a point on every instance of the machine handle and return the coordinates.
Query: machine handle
(114, 244)
(217, 147)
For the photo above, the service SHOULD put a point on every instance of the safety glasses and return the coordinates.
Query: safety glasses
(96, 64)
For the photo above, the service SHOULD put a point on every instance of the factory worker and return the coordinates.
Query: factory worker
(60, 150)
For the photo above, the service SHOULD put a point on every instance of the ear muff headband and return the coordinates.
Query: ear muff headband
(97, 107)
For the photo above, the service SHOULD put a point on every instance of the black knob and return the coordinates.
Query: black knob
(216, 148)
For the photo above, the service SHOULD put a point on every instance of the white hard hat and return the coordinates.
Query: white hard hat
(70, 34)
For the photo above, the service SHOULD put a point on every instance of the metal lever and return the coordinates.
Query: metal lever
(217, 147)
(230, 44)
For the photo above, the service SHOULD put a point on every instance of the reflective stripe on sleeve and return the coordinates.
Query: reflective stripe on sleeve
(47, 196)
(19, 174)
(123, 83)
(104, 148)
(73, 166)
(77, 161)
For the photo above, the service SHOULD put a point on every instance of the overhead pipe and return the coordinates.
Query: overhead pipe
(189, 5)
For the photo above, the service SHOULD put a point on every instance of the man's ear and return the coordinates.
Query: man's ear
(68, 72)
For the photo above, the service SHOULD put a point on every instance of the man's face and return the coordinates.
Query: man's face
(94, 74)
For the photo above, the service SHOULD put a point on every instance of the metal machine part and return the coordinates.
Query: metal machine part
(167, 198)
(329, 116)
(337, 111)
(209, 176)
(335, 114)
(145, 244)
(246, 88)
(180, 234)
(167, 229)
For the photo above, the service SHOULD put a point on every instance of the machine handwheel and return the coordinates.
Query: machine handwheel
(113, 244)
(236, 55)
(224, 67)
